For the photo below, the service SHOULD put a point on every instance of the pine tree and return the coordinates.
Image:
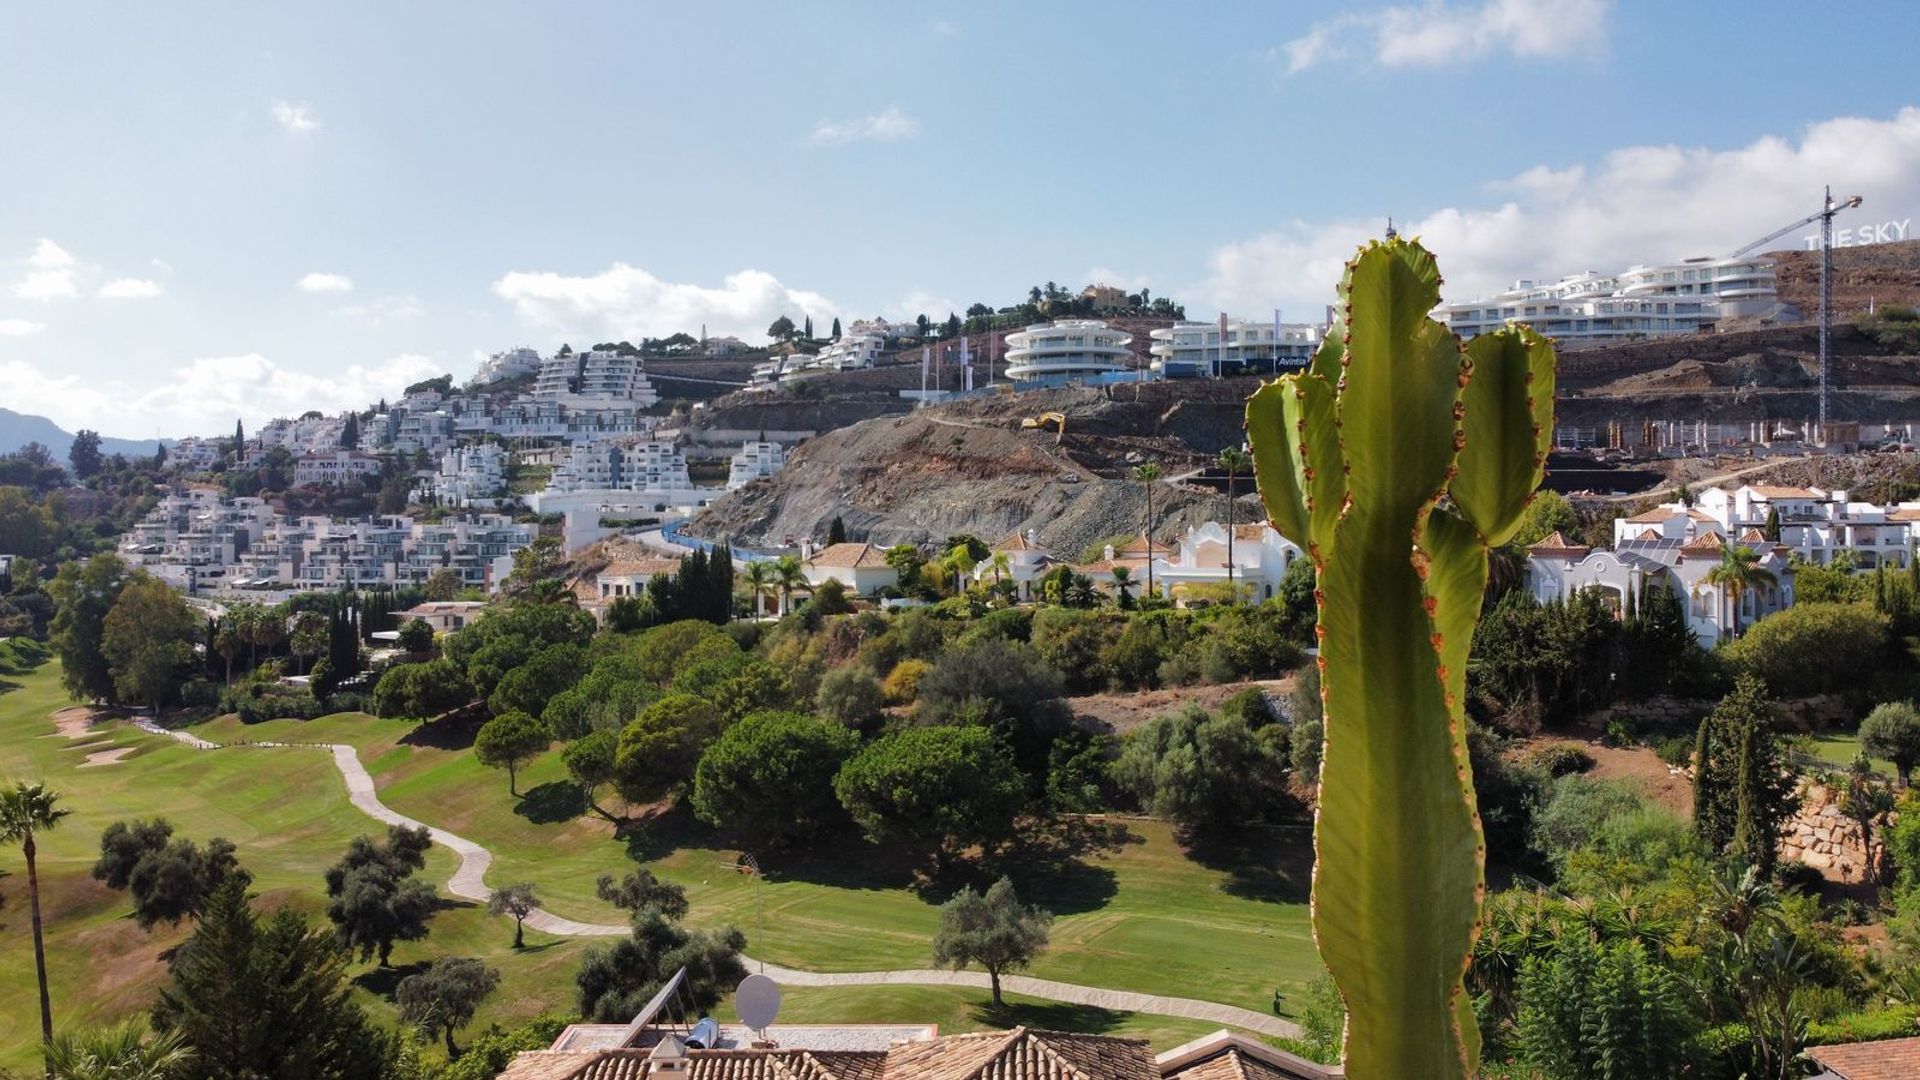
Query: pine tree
(256, 998)
(1743, 791)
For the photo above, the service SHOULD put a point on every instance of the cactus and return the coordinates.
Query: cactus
(1396, 460)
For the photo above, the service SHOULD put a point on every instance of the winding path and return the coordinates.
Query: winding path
(469, 882)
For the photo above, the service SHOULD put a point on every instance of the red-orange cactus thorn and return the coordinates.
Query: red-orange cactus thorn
(1438, 642)
(1441, 671)
(1431, 605)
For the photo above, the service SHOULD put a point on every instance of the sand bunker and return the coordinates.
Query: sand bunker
(75, 721)
(105, 757)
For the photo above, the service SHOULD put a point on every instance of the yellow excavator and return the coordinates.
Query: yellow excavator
(1039, 423)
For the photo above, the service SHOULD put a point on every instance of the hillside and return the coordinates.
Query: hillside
(969, 467)
(18, 429)
(1881, 273)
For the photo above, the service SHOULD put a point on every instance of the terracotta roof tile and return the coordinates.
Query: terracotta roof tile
(1893, 1059)
(1650, 534)
(1656, 516)
(1016, 541)
(1232, 1065)
(848, 555)
(1905, 513)
(1778, 491)
(1705, 543)
(1556, 543)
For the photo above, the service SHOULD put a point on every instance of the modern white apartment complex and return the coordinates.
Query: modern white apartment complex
(508, 364)
(1194, 349)
(200, 540)
(611, 466)
(595, 376)
(467, 474)
(755, 461)
(1066, 351)
(1816, 525)
(1645, 301)
(335, 468)
(305, 435)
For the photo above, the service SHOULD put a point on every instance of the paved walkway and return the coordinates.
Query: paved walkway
(469, 882)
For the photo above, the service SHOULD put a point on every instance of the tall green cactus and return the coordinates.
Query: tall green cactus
(1396, 461)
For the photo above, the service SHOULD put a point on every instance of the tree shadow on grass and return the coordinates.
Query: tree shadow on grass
(1274, 865)
(552, 803)
(1050, 1016)
(384, 981)
(449, 733)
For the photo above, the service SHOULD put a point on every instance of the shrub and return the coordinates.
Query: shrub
(1621, 731)
(1675, 750)
(1798, 877)
(852, 697)
(1575, 812)
(903, 682)
(1562, 759)
(1196, 768)
(1813, 649)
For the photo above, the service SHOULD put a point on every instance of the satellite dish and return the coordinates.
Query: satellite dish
(757, 1001)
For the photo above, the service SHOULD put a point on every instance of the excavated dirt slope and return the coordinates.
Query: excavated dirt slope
(970, 467)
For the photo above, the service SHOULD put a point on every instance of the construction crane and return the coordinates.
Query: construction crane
(1824, 216)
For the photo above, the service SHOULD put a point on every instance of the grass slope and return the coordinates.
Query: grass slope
(1134, 909)
(1137, 914)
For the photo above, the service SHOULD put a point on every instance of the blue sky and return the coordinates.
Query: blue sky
(450, 179)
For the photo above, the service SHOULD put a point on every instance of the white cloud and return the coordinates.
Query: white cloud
(296, 119)
(48, 255)
(19, 327)
(324, 283)
(1438, 33)
(129, 289)
(1639, 204)
(383, 309)
(44, 285)
(627, 303)
(924, 302)
(945, 27)
(205, 395)
(887, 125)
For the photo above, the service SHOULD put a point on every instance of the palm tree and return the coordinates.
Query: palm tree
(1234, 460)
(25, 810)
(118, 1053)
(1122, 581)
(1001, 565)
(1148, 475)
(789, 575)
(228, 636)
(759, 575)
(1738, 573)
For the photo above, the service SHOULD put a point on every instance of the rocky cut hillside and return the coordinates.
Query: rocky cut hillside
(970, 467)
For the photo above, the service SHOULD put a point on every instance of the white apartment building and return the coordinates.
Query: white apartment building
(334, 469)
(1067, 351)
(508, 364)
(305, 435)
(320, 553)
(1816, 524)
(611, 466)
(192, 539)
(1645, 301)
(853, 352)
(195, 454)
(595, 377)
(468, 474)
(1260, 560)
(755, 461)
(1193, 349)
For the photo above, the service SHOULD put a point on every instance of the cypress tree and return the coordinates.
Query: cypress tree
(837, 532)
(1706, 804)
(1743, 791)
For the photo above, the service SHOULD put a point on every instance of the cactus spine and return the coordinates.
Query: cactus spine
(1396, 461)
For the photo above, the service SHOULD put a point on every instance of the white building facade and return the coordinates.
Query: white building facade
(1068, 351)
(1645, 301)
(1193, 349)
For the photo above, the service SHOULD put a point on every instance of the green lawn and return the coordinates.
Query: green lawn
(1133, 910)
(1137, 914)
(1837, 748)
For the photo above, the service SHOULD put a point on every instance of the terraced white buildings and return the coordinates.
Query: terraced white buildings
(1193, 349)
(1645, 301)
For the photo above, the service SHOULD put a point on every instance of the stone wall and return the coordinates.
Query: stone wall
(1822, 837)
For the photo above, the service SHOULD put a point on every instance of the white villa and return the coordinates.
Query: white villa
(1193, 349)
(507, 364)
(468, 474)
(1557, 568)
(334, 468)
(1645, 301)
(862, 568)
(1067, 351)
(1261, 557)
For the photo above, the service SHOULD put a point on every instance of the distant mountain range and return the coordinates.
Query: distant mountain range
(19, 429)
